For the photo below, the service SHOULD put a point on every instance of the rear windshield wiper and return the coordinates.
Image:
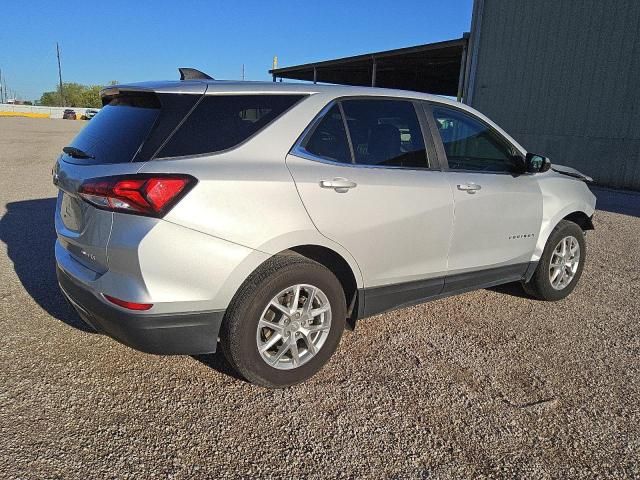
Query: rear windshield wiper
(76, 152)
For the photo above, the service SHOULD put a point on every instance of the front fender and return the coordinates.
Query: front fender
(549, 222)
(561, 196)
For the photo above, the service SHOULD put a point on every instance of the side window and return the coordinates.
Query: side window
(471, 145)
(220, 122)
(385, 132)
(329, 138)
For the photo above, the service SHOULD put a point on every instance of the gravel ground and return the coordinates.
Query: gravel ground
(484, 385)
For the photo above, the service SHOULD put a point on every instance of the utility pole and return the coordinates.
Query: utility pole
(243, 72)
(1, 89)
(274, 65)
(3, 85)
(60, 75)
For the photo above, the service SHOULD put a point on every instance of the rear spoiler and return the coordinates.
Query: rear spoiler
(185, 74)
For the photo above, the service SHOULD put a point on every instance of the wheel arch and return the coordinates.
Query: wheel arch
(581, 219)
(339, 266)
(574, 213)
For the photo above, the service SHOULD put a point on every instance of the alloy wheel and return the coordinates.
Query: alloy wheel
(294, 326)
(565, 260)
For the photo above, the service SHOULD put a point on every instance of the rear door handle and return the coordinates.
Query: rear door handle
(339, 184)
(469, 187)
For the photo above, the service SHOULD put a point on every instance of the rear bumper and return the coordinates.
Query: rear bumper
(166, 334)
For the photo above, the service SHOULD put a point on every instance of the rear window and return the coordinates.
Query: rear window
(220, 122)
(329, 139)
(385, 132)
(116, 133)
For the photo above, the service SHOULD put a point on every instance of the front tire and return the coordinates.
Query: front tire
(285, 322)
(561, 264)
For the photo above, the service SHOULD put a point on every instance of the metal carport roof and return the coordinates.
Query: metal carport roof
(430, 68)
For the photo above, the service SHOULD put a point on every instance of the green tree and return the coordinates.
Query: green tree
(51, 99)
(75, 95)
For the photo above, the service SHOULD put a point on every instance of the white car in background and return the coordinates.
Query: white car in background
(269, 216)
(90, 113)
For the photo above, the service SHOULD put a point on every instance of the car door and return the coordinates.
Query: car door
(498, 209)
(368, 183)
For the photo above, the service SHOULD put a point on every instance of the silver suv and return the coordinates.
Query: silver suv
(270, 216)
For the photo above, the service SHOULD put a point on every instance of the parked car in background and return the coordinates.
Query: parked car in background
(69, 114)
(90, 113)
(269, 216)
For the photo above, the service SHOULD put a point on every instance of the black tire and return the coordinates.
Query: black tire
(238, 332)
(540, 284)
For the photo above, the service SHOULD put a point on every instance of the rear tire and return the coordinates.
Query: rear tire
(561, 264)
(269, 341)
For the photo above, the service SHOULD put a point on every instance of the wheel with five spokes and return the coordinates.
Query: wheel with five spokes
(561, 263)
(285, 322)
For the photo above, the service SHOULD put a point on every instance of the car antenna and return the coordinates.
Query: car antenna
(193, 74)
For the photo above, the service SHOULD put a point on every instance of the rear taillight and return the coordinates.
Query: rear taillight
(143, 194)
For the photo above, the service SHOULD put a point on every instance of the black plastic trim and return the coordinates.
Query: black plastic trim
(531, 269)
(390, 297)
(375, 300)
(164, 334)
(464, 282)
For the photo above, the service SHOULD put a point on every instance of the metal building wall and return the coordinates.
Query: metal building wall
(563, 77)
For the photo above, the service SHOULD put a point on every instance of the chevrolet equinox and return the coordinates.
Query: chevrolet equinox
(267, 217)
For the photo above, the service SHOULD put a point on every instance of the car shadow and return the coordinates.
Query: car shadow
(513, 289)
(27, 228)
(218, 362)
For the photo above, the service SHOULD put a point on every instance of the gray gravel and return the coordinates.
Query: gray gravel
(484, 385)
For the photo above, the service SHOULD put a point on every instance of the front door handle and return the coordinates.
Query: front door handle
(469, 187)
(339, 184)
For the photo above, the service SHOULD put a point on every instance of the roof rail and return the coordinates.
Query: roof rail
(193, 74)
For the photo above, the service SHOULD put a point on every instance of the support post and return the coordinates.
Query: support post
(461, 76)
(472, 52)
(374, 68)
(315, 75)
(274, 65)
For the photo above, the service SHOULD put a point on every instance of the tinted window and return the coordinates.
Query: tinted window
(385, 132)
(115, 134)
(175, 107)
(220, 122)
(471, 145)
(329, 138)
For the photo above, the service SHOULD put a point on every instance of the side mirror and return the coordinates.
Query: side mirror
(536, 163)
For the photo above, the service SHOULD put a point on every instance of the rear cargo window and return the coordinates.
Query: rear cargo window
(116, 133)
(220, 122)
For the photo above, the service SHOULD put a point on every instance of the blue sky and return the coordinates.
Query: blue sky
(142, 40)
